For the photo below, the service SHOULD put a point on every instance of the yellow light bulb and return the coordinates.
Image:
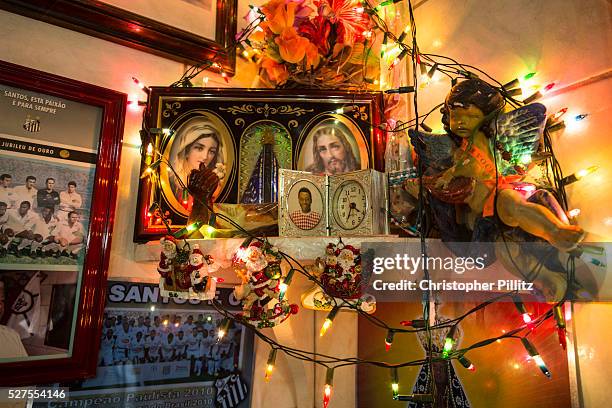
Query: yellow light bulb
(269, 370)
(326, 325)
(585, 172)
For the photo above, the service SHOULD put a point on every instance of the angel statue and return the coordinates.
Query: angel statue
(475, 173)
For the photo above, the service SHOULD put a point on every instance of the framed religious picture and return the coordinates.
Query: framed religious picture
(246, 136)
(171, 28)
(59, 160)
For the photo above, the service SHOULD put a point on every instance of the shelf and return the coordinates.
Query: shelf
(222, 249)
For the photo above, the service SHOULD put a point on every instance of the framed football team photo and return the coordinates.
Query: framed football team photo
(59, 156)
(169, 347)
(247, 136)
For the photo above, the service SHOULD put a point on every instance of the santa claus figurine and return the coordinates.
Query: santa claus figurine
(167, 257)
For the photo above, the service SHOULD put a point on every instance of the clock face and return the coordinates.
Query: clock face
(349, 205)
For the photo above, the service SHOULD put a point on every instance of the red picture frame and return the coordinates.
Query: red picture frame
(81, 362)
(133, 30)
(233, 111)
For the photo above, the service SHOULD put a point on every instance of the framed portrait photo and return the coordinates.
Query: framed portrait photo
(60, 142)
(303, 204)
(249, 135)
(190, 31)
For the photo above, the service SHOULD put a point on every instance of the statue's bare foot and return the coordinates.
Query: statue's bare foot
(567, 237)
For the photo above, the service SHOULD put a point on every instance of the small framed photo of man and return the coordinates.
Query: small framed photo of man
(303, 207)
(334, 145)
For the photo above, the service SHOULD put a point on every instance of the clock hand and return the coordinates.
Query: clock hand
(349, 212)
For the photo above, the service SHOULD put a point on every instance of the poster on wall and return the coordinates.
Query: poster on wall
(501, 374)
(59, 157)
(158, 351)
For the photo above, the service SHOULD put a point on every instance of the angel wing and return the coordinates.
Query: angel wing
(435, 151)
(518, 137)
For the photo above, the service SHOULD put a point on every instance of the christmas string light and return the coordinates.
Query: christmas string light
(580, 174)
(270, 364)
(449, 342)
(141, 85)
(520, 306)
(223, 327)
(419, 398)
(561, 324)
(466, 363)
(517, 82)
(394, 382)
(400, 90)
(404, 33)
(389, 340)
(539, 94)
(558, 115)
(284, 285)
(329, 320)
(536, 356)
(188, 229)
(329, 383)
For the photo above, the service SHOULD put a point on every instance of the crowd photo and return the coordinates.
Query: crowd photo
(139, 337)
(40, 219)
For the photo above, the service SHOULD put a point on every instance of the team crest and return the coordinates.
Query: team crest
(32, 125)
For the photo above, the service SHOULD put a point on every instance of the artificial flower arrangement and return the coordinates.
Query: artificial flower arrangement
(185, 272)
(315, 43)
(263, 303)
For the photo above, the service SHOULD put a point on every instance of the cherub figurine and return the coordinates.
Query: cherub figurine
(475, 171)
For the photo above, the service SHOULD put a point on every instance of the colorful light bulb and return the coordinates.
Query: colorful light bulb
(579, 175)
(404, 33)
(558, 115)
(394, 382)
(328, 321)
(270, 364)
(536, 356)
(466, 363)
(188, 229)
(284, 285)
(449, 342)
(223, 329)
(389, 340)
(327, 391)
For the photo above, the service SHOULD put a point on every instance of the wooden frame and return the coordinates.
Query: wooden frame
(92, 264)
(127, 28)
(240, 117)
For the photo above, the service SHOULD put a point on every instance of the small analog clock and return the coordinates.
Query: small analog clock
(349, 205)
(358, 202)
